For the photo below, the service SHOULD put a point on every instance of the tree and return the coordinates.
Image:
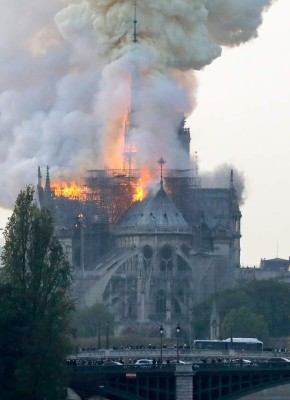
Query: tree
(34, 306)
(87, 321)
(244, 323)
(269, 299)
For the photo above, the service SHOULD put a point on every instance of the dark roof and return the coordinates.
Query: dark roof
(212, 207)
(275, 264)
(154, 213)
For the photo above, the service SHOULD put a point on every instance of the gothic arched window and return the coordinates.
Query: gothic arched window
(147, 252)
(166, 255)
(147, 256)
(166, 252)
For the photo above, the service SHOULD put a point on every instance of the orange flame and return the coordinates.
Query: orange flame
(114, 158)
(141, 189)
(139, 194)
(70, 190)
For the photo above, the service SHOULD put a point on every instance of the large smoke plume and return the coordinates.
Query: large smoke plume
(66, 70)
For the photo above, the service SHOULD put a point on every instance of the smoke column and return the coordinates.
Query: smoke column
(66, 70)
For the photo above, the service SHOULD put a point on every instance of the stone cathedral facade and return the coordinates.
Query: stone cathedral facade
(165, 261)
(160, 257)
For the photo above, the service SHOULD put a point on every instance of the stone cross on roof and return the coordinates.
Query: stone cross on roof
(161, 162)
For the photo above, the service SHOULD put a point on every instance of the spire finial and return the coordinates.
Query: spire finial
(232, 179)
(161, 162)
(47, 180)
(135, 23)
(39, 176)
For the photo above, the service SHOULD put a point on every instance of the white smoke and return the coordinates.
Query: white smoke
(220, 178)
(232, 22)
(65, 78)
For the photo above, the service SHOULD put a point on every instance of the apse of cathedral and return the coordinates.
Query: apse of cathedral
(148, 261)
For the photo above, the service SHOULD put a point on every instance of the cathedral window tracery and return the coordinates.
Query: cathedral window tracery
(166, 255)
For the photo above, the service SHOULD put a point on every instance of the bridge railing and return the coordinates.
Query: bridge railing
(166, 368)
(120, 368)
(172, 353)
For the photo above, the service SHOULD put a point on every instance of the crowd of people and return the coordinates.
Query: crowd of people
(85, 361)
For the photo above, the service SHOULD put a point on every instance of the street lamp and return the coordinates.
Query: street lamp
(177, 343)
(161, 330)
(99, 335)
(107, 334)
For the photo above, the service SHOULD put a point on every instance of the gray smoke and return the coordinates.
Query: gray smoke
(65, 78)
(220, 178)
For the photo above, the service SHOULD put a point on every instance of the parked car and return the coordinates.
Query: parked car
(144, 361)
(278, 360)
(244, 362)
(112, 363)
(179, 362)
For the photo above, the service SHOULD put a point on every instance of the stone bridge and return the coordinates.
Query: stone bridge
(176, 382)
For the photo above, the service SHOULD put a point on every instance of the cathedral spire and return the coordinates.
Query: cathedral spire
(47, 180)
(39, 187)
(130, 126)
(47, 192)
(232, 180)
(135, 40)
(39, 177)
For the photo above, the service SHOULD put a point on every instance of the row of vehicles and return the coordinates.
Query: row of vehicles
(143, 362)
(241, 361)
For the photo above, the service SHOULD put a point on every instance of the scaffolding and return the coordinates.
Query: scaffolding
(112, 190)
(115, 190)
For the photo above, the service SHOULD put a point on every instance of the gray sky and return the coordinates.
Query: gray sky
(243, 118)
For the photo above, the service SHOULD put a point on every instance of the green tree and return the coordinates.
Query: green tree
(244, 323)
(34, 306)
(86, 322)
(271, 298)
(267, 298)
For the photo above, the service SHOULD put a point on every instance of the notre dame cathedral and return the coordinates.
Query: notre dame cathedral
(148, 261)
